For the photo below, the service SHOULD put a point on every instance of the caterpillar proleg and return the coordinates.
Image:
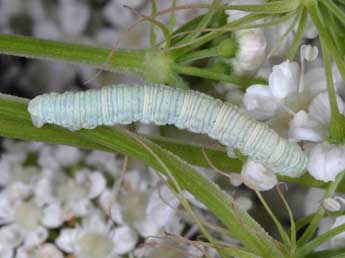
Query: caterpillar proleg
(186, 109)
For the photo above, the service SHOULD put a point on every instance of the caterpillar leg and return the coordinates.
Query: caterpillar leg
(37, 122)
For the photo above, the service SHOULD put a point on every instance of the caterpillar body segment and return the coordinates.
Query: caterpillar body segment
(158, 104)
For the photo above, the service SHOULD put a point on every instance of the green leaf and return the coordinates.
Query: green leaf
(331, 253)
(144, 63)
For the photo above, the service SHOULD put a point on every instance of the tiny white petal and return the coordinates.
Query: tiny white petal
(257, 177)
(326, 161)
(98, 184)
(36, 237)
(158, 210)
(244, 202)
(116, 213)
(235, 179)
(194, 201)
(284, 79)
(302, 127)
(52, 216)
(79, 208)
(48, 251)
(259, 102)
(11, 236)
(320, 109)
(6, 252)
(331, 204)
(7, 211)
(309, 53)
(66, 155)
(125, 239)
(28, 215)
(67, 240)
(95, 245)
(252, 50)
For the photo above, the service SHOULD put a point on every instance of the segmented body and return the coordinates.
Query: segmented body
(191, 110)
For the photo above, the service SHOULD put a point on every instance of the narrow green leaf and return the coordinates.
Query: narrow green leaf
(152, 28)
(331, 253)
(310, 247)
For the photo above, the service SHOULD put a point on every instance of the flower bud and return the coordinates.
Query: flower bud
(257, 177)
(251, 50)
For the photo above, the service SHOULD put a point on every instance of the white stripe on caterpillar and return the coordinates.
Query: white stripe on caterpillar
(191, 110)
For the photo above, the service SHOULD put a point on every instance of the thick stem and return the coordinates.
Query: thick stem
(151, 64)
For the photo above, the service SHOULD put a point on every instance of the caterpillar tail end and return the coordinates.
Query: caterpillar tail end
(34, 108)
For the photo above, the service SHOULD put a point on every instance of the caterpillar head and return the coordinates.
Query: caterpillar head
(35, 110)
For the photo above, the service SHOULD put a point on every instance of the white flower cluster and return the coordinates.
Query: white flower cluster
(57, 200)
(295, 101)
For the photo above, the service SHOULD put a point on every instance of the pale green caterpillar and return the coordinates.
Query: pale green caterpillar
(186, 109)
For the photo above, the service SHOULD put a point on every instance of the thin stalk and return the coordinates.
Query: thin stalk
(197, 55)
(181, 50)
(325, 36)
(299, 35)
(204, 22)
(320, 212)
(284, 236)
(276, 7)
(310, 247)
(338, 12)
(212, 75)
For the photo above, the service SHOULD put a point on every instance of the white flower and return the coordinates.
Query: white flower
(252, 50)
(48, 251)
(96, 239)
(333, 204)
(58, 157)
(263, 101)
(103, 161)
(283, 81)
(257, 177)
(149, 215)
(326, 161)
(167, 248)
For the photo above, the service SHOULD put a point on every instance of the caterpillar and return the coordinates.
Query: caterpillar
(186, 109)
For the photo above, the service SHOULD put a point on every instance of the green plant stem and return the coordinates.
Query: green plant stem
(312, 6)
(197, 55)
(299, 35)
(213, 75)
(203, 23)
(181, 50)
(309, 247)
(144, 63)
(330, 253)
(338, 12)
(320, 212)
(276, 7)
(337, 124)
(122, 60)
